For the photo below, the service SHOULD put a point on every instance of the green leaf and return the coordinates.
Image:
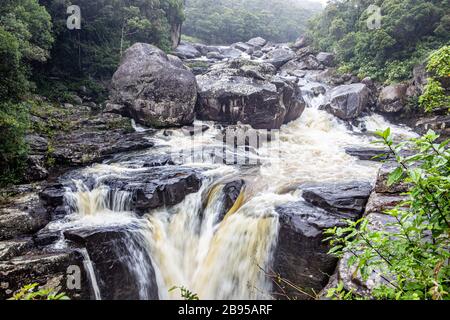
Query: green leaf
(395, 176)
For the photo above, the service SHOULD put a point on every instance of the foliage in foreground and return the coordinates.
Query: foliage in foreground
(436, 91)
(31, 292)
(411, 253)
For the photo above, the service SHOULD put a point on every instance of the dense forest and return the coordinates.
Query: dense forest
(409, 30)
(40, 54)
(229, 21)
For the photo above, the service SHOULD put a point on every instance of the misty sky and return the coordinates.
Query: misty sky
(323, 2)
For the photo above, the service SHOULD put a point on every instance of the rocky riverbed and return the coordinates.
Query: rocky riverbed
(141, 195)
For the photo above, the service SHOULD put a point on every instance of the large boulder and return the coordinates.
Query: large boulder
(326, 58)
(23, 215)
(347, 199)
(292, 99)
(257, 42)
(306, 63)
(279, 57)
(301, 42)
(153, 89)
(301, 254)
(187, 51)
(248, 92)
(121, 262)
(347, 102)
(230, 53)
(392, 98)
(236, 98)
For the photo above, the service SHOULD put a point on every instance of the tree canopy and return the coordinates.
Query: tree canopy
(409, 31)
(228, 21)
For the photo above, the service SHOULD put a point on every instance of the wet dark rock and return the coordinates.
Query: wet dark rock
(247, 92)
(152, 89)
(46, 237)
(48, 270)
(53, 195)
(158, 161)
(368, 154)
(231, 192)
(86, 147)
(301, 255)
(346, 199)
(156, 187)
(121, 262)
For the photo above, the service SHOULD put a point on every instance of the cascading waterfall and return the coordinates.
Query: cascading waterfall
(91, 274)
(216, 260)
(188, 244)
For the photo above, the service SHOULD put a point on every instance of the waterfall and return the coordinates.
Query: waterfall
(215, 259)
(91, 274)
(188, 245)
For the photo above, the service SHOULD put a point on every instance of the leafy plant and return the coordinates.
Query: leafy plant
(185, 293)
(435, 93)
(31, 292)
(410, 254)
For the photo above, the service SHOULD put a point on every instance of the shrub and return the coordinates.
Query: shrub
(13, 149)
(435, 94)
(30, 292)
(411, 253)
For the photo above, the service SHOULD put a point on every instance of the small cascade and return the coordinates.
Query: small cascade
(92, 278)
(87, 202)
